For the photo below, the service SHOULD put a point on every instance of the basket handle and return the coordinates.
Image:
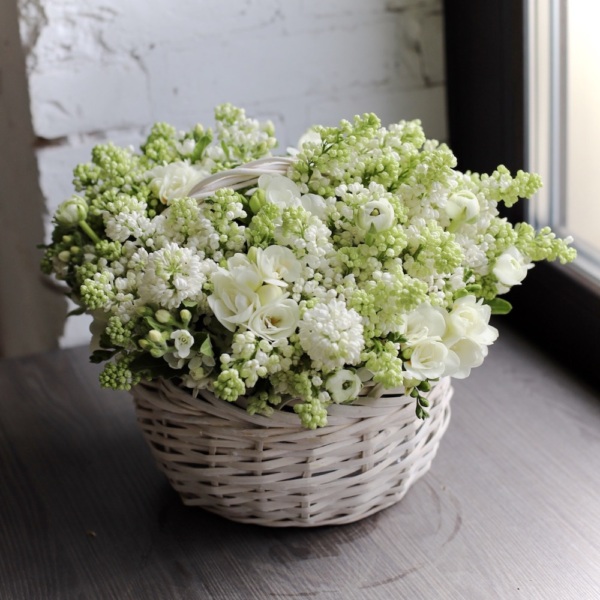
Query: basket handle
(242, 176)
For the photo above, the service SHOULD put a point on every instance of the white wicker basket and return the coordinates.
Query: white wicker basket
(272, 471)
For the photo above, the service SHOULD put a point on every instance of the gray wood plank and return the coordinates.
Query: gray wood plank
(510, 509)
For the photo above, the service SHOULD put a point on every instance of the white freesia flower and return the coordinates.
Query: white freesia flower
(277, 265)
(430, 359)
(462, 205)
(234, 299)
(469, 319)
(315, 204)
(470, 354)
(276, 320)
(378, 214)
(183, 342)
(332, 335)
(175, 180)
(279, 190)
(344, 385)
(510, 269)
(424, 322)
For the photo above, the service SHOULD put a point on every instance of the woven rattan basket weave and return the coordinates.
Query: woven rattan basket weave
(272, 471)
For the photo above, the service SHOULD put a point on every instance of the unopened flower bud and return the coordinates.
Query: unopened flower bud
(155, 336)
(71, 211)
(162, 316)
(64, 256)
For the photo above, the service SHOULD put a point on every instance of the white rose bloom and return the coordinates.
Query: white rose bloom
(510, 269)
(232, 301)
(280, 190)
(276, 320)
(469, 319)
(470, 355)
(424, 322)
(462, 205)
(430, 359)
(277, 265)
(175, 180)
(376, 213)
(343, 386)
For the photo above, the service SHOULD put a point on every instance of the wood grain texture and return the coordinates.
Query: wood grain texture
(510, 508)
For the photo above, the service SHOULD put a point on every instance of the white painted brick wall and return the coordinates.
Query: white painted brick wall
(107, 69)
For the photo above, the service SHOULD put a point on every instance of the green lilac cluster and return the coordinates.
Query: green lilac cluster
(364, 258)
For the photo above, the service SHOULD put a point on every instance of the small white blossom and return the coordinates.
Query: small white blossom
(183, 342)
(378, 214)
(343, 385)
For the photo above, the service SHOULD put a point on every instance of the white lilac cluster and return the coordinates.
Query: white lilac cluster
(363, 258)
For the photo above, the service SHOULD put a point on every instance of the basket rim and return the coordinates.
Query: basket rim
(177, 399)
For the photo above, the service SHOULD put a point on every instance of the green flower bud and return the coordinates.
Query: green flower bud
(162, 316)
(71, 211)
(155, 336)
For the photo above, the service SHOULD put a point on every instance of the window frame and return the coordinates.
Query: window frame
(486, 97)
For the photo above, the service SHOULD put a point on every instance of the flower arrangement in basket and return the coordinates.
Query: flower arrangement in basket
(288, 325)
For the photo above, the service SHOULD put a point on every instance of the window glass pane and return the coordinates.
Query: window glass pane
(582, 111)
(563, 112)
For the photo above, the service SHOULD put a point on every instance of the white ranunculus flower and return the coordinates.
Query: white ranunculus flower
(424, 322)
(469, 318)
(430, 359)
(232, 302)
(343, 386)
(275, 320)
(376, 213)
(462, 205)
(510, 269)
(277, 265)
(470, 355)
(280, 190)
(175, 180)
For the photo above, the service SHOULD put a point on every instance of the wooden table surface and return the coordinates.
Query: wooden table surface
(510, 508)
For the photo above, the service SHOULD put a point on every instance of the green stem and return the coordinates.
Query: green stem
(89, 231)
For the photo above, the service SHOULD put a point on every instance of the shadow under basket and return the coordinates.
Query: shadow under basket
(272, 471)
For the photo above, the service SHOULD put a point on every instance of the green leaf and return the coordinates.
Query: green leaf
(499, 306)
(99, 356)
(206, 349)
(76, 311)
